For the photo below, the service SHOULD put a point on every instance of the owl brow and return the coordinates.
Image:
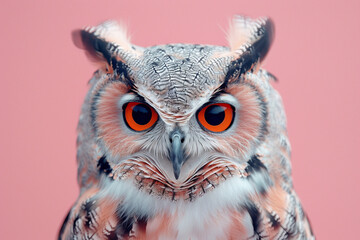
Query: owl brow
(119, 67)
(137, 97)
(219, 91)
(121, 73)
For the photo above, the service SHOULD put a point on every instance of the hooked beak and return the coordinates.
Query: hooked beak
(176, 151)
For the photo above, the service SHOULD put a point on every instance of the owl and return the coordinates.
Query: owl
(183, 141)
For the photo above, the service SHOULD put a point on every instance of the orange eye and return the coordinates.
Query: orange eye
(139, 116)
(216, 117)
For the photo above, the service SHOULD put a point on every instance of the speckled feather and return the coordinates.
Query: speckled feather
(233, 185)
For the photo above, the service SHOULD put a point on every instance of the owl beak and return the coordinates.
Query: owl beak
(176, 151)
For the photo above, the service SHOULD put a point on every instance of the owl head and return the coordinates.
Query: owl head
(178, 120)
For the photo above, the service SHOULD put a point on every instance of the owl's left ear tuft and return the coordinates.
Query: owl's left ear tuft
(245, 33)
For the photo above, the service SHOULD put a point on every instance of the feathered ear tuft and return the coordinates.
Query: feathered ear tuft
(245, 32)
(104, 43)
(249, 41)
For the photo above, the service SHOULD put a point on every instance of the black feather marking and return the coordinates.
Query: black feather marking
(238, 67)
(101, 50)
(262, 45)
(63, 226)
(253, 54)
(228, 169)
(111, 235)
(254, 165)
(97, 48)
(76, 219)
(121, 71)
(125, 222)
(274, 220)
(88, 220)
(142, 222)
(202, 188)
(87, 208)
(255, 217)
(104, 166)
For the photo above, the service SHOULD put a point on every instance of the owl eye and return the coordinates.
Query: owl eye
(139, 116)
(216, 117)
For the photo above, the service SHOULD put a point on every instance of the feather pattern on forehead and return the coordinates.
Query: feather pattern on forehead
(179, 78)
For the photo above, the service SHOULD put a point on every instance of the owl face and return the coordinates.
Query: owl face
(175, 120)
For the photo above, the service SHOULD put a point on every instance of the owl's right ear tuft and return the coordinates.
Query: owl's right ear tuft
(257, 34)
(104, 44)
(250, 40)
(96, 48)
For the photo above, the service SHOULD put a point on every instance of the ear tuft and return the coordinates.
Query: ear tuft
(244, 32)
(112, 32)
(103, 42)
(96, 48)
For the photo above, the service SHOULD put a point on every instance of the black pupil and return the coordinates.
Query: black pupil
(214, 115)
(141, 114)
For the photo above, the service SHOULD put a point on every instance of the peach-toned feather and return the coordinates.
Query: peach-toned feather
(241, 31)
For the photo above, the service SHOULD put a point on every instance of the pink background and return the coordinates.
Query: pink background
(43, 82)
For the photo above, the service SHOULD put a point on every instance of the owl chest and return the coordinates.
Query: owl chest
(222, 224)
(105, 218)
(140, 215)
